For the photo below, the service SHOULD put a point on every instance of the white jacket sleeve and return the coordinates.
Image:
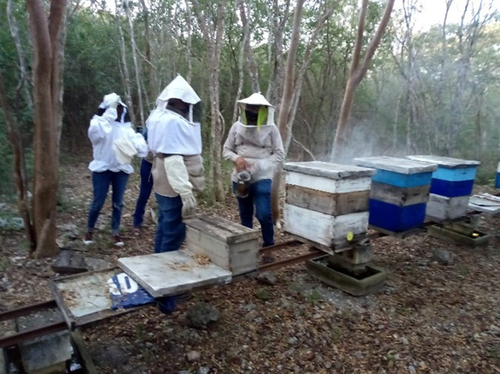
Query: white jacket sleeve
(139, 143)
(101, 126)
(229, 149)
(177, 175)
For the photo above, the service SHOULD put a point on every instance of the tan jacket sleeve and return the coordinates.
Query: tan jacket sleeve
(229, 150)
(278, 151)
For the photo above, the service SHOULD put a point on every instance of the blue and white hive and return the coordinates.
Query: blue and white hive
(399, 192)
(451, 186)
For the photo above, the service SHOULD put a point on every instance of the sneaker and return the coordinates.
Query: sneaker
(88, 239)
(118, 241)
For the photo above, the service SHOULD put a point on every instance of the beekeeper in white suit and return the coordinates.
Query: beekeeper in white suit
(254, 145)
(114, 143)
(174, 137)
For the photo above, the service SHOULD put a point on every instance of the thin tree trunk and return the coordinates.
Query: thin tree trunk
(189, 57)
(357, 73)
(151, 93)
(136, 64)
(19, 164)
(46, 40)
(126, 74)
(240, 73)
(286, 104)
(24, 81)
(252, 67)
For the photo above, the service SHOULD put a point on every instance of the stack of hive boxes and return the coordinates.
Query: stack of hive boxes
(399, 192)
(451, 186)
(327, 204)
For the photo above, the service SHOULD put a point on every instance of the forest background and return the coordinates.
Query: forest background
(431, 89)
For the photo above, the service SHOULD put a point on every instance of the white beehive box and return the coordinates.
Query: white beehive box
(325, 202)
(229, 245)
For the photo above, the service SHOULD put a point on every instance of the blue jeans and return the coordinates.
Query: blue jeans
(144, 193)
(171, 230)
(100, 183)
(259, 195)
(170, 233)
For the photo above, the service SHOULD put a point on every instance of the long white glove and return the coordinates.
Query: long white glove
(110, 101)
(178, 177)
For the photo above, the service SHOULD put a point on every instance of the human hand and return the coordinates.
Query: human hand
(112, 100)
(241, 164)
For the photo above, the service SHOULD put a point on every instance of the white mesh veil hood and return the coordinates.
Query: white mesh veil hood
(258, 99)
(179, 88)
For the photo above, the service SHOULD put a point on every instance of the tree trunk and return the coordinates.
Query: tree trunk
(252, 68)
(45, 36)
(286, 103)
(24, 81)
(357, 73)
(152, 91)
(213, 41)
(126, 74)
(189, 58)
(15, 140)
(136, 64)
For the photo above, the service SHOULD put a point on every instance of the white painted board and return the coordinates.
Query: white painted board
(328, 185)
(322, 228)
(170, 273)
(448, 162)
(446, 208)
(396, 164)
(328, 170)
(485, 203)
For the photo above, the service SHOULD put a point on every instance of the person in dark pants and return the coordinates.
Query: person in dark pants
(145, 188)
(254, 145)
(114, 143)
(174, 137)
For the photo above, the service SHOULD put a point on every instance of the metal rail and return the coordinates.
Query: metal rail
(31, 334)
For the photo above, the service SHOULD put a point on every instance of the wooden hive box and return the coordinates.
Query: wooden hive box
(325, 201)
(229, 245)
(399, 192)
(451, 186)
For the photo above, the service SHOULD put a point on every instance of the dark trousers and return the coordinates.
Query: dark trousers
(170, 233)
(258, 200)
(144, 193)
(100, 183)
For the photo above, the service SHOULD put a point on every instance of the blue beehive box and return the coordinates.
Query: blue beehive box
(451, 186)
(399, 192)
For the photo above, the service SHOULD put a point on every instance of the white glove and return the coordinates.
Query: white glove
(188, 205)
(110, 101)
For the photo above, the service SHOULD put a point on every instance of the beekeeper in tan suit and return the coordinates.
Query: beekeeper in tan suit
(254, 145)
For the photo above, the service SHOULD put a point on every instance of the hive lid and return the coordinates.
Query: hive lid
(328, 170)
(395, 164)
(447, 162)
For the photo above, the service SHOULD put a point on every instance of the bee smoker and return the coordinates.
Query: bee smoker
(243, 184)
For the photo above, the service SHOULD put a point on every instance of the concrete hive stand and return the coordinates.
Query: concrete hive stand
(327, 207)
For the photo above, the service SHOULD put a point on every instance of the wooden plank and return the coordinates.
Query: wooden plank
(449, 162)
(395, 164)
(321, 228)
(88, 363)
(399, 196)
(328, 170)
(327, 203)
(171, 273)
(484, 204)
(328, 185)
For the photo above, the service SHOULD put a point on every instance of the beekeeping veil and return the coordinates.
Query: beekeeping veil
(168, 131)
(265, 115)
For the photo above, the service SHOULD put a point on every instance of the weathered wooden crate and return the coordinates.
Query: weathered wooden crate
(325, 202)
(451, 186)
(399, 192)
(229, 245)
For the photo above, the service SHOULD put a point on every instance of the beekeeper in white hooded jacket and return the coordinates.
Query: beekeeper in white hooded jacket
(114, 144)
(254, 145)
(174, 137)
